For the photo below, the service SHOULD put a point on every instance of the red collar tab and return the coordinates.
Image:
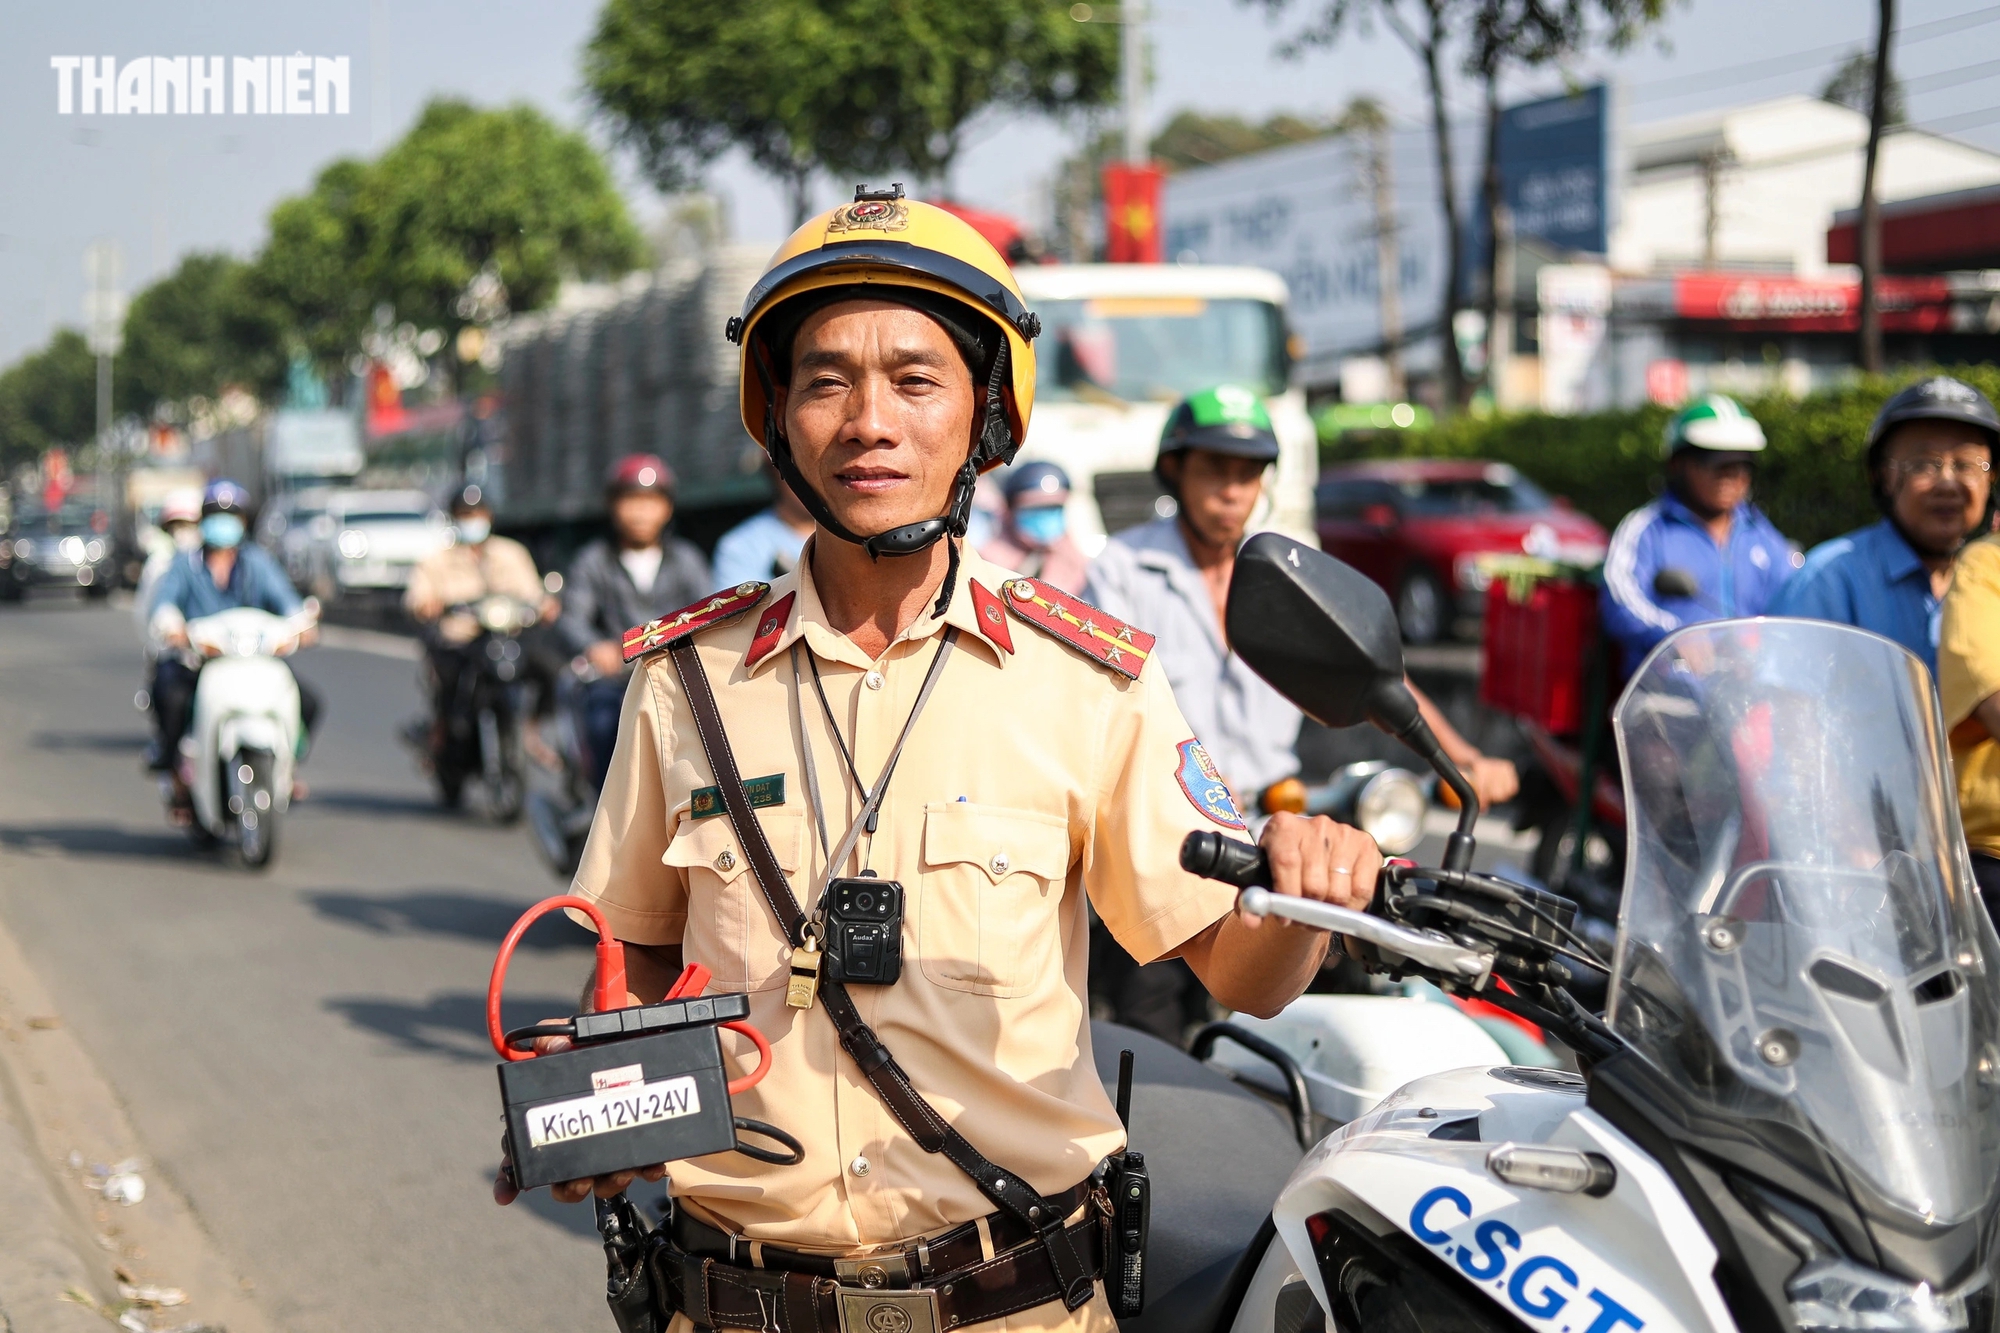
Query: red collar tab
(710, 610)
(770, 628)
(1101, 638)
(992, 620)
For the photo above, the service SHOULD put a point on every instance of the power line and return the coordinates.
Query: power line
(1964, 120)
(1794, 61)
(1946, 78)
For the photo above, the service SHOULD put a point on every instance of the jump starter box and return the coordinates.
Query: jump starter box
(643, 1085)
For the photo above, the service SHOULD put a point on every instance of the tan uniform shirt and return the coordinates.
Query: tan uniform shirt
(1033, 777)
(1969, 674)
(460, 573)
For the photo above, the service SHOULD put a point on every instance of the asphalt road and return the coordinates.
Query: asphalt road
(302, 1051)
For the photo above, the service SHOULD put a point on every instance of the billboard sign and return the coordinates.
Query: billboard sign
(1555, 169)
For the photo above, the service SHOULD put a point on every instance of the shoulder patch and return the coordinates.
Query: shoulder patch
(1103, 639)
(992, 620)
(711, 610)
(1204, 785)
(770, 628)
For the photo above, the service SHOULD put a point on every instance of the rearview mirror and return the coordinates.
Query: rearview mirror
(1321, 632)
(1324, 635)
(1677, 583)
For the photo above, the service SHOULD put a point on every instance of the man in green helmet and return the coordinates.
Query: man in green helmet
(1702, 551)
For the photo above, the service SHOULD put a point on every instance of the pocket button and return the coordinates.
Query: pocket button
(726, 861)
(999, 863)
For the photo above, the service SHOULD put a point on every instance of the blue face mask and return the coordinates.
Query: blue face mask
(1042, 526)
(224, 531)
(474, 529)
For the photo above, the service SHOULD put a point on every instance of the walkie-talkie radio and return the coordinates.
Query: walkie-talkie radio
(1131, 1212)
(642, 1084)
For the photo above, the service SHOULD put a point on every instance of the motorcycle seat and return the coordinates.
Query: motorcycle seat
(1217, 1156)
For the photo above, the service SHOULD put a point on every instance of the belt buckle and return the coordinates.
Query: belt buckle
(874, 1272)
(871, 1311)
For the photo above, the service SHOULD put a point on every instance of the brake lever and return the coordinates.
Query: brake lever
(1426, 948)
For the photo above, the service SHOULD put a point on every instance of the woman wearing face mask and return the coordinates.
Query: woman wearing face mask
(1035, 540)
(220, 573)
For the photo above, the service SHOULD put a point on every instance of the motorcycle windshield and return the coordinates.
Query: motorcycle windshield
(1800, 941)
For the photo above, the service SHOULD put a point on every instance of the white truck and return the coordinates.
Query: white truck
(1120, 345)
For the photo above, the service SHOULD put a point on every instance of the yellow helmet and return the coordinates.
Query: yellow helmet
(923, 256)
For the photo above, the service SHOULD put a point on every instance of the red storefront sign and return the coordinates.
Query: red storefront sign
(1132, 213)
(1800, 305)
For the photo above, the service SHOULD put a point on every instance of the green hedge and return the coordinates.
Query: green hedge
(1811, 480)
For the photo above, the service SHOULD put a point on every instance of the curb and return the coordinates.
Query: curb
(57, 1117)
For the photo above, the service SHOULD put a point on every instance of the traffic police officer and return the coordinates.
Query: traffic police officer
(886, 360)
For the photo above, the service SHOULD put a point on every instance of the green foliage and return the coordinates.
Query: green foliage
(309, 276)
(1193, 139)
(465, 186)
(1811, 479)
(48, 398)
(196, 329)
(1853, 86)
(850, 87)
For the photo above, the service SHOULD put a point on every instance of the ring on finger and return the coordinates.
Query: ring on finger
(1339, 871)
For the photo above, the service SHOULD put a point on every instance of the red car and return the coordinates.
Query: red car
(1417, 526)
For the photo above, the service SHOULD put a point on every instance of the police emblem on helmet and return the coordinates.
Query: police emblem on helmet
(871, 215)
(887, 1318)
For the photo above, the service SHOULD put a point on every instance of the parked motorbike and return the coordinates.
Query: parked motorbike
(237, 756)
(1787, 1119)
(478, 738)
(560, 819)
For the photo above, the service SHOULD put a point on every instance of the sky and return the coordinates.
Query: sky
(160, 187)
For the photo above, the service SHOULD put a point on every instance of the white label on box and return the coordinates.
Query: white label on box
(611, 1109)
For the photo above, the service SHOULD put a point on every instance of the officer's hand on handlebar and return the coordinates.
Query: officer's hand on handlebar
(1317, 857)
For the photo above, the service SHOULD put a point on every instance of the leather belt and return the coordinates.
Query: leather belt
(715, 1294)
(919, 1262)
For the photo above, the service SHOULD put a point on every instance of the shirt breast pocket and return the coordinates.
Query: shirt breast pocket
(992, 884)
(730, 928)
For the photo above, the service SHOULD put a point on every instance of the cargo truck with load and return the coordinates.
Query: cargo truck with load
(643, 366)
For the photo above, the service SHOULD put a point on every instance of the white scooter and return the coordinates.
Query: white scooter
(244, 735)
(1789, 1118)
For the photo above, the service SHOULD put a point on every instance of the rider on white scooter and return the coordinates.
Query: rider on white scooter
(219, 575)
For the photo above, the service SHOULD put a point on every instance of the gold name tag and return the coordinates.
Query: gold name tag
(706, 802)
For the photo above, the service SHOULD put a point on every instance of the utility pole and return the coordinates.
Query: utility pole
(1132, 66)
(104, 313)
(1388, 257)
(1711, 203)
(1871, 216)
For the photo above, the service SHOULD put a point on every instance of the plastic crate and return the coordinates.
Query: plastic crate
(1536, 651)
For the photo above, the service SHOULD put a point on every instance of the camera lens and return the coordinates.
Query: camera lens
(865, 901)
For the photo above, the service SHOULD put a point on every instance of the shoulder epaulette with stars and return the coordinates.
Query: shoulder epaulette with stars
(1103, 639)
(713, 609)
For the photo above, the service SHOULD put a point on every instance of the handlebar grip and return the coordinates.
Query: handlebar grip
(1213, 856)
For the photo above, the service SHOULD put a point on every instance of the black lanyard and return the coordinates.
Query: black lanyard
(871, 797)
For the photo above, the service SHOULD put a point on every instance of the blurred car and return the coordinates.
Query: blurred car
(1418, 526)
(366, 543)
(67, 547)
(288, 528)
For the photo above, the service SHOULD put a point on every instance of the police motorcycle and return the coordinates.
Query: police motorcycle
(479, 737)
(244, 736)
(1786, 1120)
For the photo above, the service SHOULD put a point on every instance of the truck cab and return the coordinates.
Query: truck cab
(1120, 345)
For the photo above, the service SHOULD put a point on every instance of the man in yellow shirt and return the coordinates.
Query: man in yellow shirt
(1969, 685)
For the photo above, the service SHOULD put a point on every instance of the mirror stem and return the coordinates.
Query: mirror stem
(1399, 707)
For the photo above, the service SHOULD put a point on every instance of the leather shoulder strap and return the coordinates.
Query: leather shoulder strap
(918, 1117)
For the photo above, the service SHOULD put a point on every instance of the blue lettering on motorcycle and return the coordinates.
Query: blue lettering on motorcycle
(1546, 1303)
(1532, 1287)
(1489, 1237)
(1611, 1315)
(1423, 1231)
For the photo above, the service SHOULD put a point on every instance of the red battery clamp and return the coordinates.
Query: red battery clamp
(640, 1084)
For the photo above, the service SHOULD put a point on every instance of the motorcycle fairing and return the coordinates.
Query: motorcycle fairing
(1635, 1258)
